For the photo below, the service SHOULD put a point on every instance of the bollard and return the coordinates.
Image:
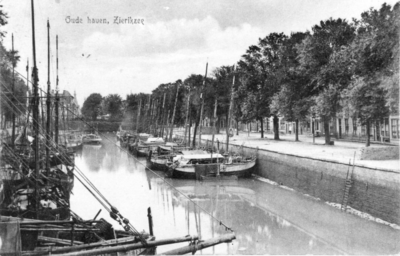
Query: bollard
(150, 221)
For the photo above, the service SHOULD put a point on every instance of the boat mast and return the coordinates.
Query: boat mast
(13, 92)
(48, 102)
(35, 112)
(187, 116)
(202, 104)
(138, 116)
(57, 99)
(228, 125)
(162, 117)
(148, 115)
(27, 84)
(215, 120)
(173, 113)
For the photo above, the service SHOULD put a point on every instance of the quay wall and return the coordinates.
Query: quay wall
(374, 191)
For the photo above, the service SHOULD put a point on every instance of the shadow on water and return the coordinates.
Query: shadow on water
(260, 214)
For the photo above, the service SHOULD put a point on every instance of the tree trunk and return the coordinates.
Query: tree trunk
(276, 127)
(237, 127)
(368, 126)
(297, 130)
(334, 127)
(327, 133)
(262, 127)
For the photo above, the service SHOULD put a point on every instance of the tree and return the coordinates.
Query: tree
(260, 67)
(12, 99)
(293, 100)
(3, 22)
(113, 106)
(195, 82)
(375, 63)
(92, 106)
(221, 91)
(317, 60)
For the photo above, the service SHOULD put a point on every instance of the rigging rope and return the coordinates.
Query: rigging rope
(163, 178)
(114, 213)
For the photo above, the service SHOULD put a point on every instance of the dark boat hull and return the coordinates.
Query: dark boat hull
(185, 175)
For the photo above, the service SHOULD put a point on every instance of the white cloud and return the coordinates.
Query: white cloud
(140, 58)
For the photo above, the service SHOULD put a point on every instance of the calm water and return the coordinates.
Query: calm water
(267, 219)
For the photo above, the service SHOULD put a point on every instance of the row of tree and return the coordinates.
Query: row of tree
(12, 87)
(96, 105)
(337, 67)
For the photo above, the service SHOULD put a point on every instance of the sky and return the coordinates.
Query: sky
(169, 41)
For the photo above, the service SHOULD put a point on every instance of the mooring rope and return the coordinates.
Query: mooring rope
(163, 178)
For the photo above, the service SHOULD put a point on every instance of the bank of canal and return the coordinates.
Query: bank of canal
(266, 218)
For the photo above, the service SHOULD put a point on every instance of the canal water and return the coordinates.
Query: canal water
(266, 218)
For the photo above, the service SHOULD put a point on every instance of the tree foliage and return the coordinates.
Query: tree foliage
(92, 106)
(113, 106)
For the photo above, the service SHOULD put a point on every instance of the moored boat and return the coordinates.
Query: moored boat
(91, 139)
(203, 165)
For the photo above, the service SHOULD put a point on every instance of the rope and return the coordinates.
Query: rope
(163, 178)
(115, 214)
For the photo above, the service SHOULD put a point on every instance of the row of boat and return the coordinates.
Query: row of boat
(180, 161)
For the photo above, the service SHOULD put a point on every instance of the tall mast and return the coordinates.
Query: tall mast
(228, 125)
(57, 99)
(27, 84)
(35, 112)
(187, 116)
(13, 94)
(138, 116)
(215, 121)
(48, 101)
(155, 116)
(202, 104)
(162, 117)
(173, 114)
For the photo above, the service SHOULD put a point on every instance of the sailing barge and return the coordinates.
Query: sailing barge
(37, 178)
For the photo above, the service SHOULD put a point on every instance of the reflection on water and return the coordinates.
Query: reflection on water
(187, 207)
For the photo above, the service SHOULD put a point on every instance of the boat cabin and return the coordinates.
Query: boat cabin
(193, 159)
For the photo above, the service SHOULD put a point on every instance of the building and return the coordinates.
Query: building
(70, 102)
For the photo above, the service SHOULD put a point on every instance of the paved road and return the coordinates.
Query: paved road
(342, 151)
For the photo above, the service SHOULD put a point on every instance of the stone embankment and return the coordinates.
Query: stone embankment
(321, 171)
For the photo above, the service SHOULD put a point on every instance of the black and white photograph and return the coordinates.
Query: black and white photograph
(211, 127)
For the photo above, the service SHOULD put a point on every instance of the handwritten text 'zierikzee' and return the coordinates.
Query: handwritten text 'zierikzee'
(116, 20)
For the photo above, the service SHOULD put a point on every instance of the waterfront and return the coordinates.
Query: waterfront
(266, 218)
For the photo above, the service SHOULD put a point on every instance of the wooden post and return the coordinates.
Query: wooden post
(201, 245)
(121, 245)
(72, 233)
(95, 217)
(150, 217)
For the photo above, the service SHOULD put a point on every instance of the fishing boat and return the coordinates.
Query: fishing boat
(152, 141)
(91, 138)
(203, 165)
(73, 141)
(163, 157)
